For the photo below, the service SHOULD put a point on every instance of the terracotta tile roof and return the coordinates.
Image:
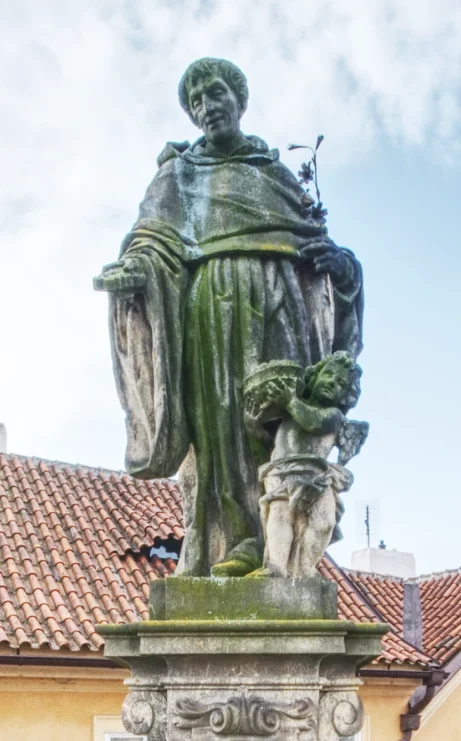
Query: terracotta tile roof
(74, 547)
(440, 602)
(72, 550)
(441, 605)
(385, 593)
(354, 604)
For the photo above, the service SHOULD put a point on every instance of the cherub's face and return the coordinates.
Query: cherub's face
(331, 384)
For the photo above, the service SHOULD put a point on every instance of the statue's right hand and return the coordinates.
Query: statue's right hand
(123, 278)
(275, 392)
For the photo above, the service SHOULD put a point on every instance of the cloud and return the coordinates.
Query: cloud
(89, 99)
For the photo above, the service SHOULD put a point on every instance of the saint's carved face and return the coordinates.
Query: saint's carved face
(215, 109)
(332, 383)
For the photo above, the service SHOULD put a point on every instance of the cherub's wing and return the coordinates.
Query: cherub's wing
(350, 439)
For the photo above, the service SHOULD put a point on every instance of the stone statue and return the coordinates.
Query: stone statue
(223, 271)
(300, 506)
(236, 323)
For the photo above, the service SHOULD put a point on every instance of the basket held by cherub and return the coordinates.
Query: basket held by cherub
(300, 505)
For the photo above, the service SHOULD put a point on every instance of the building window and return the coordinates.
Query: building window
(117, 736)
(110, 728)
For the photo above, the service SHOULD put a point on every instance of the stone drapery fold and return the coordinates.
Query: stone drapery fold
(147, 353)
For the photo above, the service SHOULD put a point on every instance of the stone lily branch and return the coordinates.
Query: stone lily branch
(308, 174)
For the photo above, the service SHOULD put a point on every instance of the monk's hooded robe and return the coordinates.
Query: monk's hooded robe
(220, 239)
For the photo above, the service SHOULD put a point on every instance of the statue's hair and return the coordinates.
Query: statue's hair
(347, 361)
(206, 68)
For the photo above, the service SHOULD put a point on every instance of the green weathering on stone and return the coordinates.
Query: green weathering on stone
(242, 599)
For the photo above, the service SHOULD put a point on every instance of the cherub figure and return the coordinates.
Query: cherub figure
(300, 507)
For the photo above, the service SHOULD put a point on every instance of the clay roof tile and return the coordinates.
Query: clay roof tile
(64, 532)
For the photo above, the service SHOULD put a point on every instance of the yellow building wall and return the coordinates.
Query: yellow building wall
(49, 704)
(58, 707)
(442, 718)
(383, 701)
(64, 707)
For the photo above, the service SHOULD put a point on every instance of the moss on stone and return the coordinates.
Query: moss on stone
(234, 598)
(303, 627)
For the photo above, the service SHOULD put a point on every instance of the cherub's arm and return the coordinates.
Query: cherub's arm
(314, 420)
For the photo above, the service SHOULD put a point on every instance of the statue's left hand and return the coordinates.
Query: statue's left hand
(329, 259)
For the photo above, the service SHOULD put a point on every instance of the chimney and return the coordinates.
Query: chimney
(3, 441)
(384, 561)
(412, 614)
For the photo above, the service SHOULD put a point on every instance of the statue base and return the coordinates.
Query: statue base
(279, 666)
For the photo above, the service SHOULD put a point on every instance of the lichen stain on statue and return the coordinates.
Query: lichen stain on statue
(225, 274)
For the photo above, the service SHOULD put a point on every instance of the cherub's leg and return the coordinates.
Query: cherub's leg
(279, 536)
(317, 534)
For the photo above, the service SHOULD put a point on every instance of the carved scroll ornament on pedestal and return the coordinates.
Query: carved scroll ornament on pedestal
(246, 716)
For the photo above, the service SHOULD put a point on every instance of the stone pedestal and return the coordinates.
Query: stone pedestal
(280, 666)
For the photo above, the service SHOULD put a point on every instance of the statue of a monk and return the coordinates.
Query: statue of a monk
(222, 271)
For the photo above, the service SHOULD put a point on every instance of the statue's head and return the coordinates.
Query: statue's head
(214, 93)
(335, 381)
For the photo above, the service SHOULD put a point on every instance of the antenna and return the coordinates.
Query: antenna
(367, 524)
(370, 534)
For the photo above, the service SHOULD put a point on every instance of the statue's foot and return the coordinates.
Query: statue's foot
(233, 567)
(262, 573)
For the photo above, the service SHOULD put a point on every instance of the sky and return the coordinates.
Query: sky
(88, 98)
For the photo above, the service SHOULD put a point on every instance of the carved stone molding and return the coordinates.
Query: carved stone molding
(144, 712)
(246, 716)
(340, 714)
